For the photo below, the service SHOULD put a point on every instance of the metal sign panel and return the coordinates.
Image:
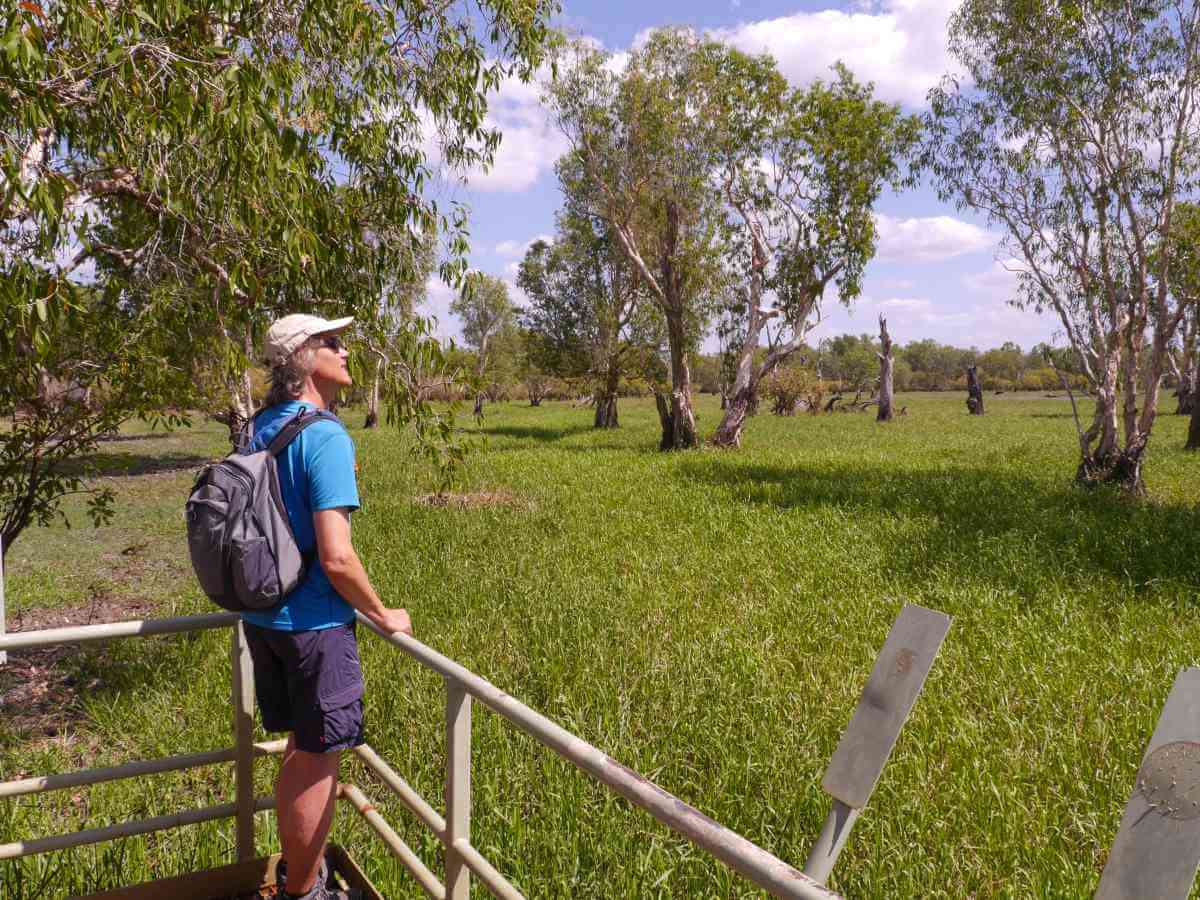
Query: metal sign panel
(1157, 849)
(886, 701)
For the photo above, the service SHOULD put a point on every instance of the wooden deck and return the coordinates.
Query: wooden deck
(251, 880)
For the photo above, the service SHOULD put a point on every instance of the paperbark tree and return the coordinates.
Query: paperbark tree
(1078, 132)
(887, 362)
(643, 153)
(1183, 248)
(799, 171)
(486, 311)
(588, 306)
(191, 170)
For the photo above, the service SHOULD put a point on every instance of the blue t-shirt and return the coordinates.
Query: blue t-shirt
(316, 472)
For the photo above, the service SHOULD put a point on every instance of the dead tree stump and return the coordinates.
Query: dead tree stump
(974, 392)
(886, 363)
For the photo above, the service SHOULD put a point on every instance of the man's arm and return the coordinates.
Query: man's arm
(346, 573)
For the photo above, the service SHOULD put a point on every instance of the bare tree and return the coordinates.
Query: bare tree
(887, 363)
(974, 392)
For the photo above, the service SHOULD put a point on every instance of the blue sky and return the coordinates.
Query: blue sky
(938, 271)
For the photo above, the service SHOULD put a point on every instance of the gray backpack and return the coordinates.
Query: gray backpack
(239, 536)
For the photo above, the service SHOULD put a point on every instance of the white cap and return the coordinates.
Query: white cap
(287, 334)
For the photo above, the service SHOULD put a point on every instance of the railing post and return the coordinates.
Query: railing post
(458, 788)
(243, 735)
(1157, 848)
(891, 690)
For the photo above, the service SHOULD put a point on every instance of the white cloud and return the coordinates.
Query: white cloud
(438, 296)
(518, 248)
(900, 45)
(998, 282)
(905, 303)
(530, 142)
(929, 239)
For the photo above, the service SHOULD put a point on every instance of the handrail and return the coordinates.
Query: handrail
(764, 869)
(42, 783)
(78, 634)
(461, 857)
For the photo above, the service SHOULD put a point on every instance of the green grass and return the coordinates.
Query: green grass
(708, 618)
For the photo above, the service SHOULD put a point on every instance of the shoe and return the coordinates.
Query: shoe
(281, 873)
(321, 892)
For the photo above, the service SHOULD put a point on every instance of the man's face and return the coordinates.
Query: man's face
(330, 362)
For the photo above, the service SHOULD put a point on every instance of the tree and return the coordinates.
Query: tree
(486, 312)
(1078, 131)
(640, 160)
(974, 392)
(799, 171)
(1183, 250)
(401, 294)
(587, 305)
(172, 176)
(887, 361)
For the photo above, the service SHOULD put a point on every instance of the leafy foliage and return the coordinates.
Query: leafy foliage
(203, 167)
(1078, 131)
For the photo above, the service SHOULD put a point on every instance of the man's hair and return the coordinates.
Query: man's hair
(287, 377)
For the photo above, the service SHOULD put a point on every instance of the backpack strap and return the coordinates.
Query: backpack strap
(297, 424)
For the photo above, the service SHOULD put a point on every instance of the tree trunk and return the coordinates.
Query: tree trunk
(373, 398)
(974, 392)
(681, 420)
(664, 419)
(729, 432)
(1193, 438)
(606, 400)
(479, 405)
(886, 363)
(1107, 462)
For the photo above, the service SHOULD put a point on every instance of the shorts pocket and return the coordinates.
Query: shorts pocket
(255, 577)
(340, 680)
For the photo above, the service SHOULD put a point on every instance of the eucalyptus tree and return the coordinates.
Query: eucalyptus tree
(172, 173)
(588, 307)
(486, 312)
(640, 159)
(1184, 250)
(1078, 131)
(799, 170)
(402, 291)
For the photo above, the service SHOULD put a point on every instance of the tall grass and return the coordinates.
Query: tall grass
(708, 618)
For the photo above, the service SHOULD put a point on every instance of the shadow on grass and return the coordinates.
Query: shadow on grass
(130, 438)
(987, 523)
(45, 692)
(113, 464)
(540, 433)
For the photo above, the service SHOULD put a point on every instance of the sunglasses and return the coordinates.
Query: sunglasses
(332, 342)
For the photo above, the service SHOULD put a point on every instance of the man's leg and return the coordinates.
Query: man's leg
(304, 799)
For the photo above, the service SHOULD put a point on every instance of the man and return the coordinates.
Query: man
(305, 652)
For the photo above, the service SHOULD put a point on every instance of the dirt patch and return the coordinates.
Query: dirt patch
(40, 689)
(477, 500)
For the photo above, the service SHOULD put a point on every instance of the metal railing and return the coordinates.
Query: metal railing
(891, 690)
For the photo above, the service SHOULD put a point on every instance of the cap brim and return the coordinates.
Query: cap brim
(336, 326)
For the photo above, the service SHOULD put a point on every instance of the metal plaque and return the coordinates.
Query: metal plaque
(886, 701)
(1157, 848)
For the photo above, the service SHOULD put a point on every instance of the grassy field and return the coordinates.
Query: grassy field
(708, 618)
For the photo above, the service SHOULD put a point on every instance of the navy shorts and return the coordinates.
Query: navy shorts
(309, 683)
